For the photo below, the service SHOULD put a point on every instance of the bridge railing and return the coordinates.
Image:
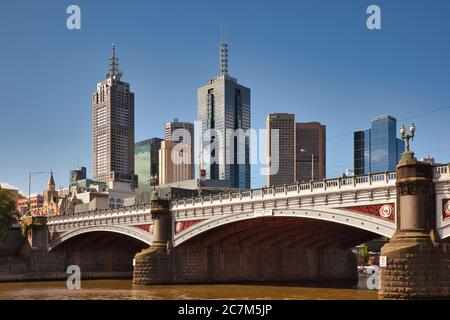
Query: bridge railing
(96, 214)
(440, 172)
(302, 188)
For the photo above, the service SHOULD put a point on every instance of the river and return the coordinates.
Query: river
(124, 290)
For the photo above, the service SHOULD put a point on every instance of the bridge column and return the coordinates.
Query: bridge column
(37, 232)
(417, 261)
(154, 265)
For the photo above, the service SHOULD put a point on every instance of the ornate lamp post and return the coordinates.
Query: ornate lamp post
(153, 183)
(407, 137)
(408, 154)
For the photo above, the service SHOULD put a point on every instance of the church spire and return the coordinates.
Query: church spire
(51, 182)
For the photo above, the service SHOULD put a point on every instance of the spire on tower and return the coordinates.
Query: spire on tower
(51, 181)
(114, 71)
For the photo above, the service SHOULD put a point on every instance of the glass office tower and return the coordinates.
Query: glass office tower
(377, 149)
(146, 161)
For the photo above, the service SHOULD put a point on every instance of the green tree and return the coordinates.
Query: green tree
(364, 251)
(8, 213)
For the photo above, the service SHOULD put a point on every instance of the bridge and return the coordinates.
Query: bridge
(367, 202)
(284, 233)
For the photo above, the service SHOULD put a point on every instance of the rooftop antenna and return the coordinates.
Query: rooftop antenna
(223, 52)
(114, 71)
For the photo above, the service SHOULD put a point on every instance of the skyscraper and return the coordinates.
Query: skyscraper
(299, 152)
(146, 158)
(280, 149)
(224, 112)
(174, 163)
(178, 132)
(377, 149)
(310, 148)
(113, 128)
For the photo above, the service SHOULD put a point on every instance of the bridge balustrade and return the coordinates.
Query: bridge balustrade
(332, 183)
(441, 170)
(318, 185)
(257, 193)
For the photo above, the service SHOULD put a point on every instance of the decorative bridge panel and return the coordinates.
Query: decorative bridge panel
(182, 225)
(445, 209)
(384, 211)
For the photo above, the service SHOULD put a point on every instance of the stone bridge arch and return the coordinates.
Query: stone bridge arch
(132, 232)
(375, 225)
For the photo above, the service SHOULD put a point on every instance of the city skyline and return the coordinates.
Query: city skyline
(314, 88)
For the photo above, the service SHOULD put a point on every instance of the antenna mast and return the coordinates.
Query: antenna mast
(223, 53)
(114, 71)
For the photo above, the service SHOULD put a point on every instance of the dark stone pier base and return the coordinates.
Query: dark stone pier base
(418, 263)
(417, 269)
(191, 263)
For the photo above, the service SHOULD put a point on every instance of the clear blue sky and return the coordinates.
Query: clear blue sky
(315, 58)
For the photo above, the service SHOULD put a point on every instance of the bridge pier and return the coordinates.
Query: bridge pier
(154, 264)
(36, 232)
(417, 260)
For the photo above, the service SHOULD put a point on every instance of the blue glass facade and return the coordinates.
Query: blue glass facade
(377, 149)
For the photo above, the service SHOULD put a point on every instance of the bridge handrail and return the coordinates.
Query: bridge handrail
(385, 177)
(97, 213)
(336, 183)
(439, 170)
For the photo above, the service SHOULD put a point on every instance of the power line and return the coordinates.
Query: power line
(425, 113)
(403, 119)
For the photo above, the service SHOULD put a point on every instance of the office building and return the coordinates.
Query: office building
(280, 149)
(377, 149)
(113, 128)
(174, 163)
(224, 113)
(176, 131)
(146, 158)
(310, 148)
(296, 152)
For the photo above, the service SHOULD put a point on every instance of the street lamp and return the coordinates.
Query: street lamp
(406, 137)
(154, 181)
(30, 175)
(312, 164)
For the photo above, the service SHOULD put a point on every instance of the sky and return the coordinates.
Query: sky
(316, 59)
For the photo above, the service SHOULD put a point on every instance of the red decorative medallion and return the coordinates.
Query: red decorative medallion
(446, 208)
(384, 211)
